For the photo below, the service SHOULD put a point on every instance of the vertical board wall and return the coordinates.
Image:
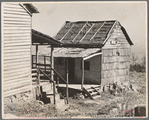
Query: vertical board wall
(16, 49)
(115, 58)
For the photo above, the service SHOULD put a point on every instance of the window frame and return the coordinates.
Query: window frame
(86, 65)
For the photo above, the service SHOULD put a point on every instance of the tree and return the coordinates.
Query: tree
(133, 59)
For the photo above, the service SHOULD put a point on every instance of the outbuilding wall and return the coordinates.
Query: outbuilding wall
(92, 76)
(16, 49)
(115, 58)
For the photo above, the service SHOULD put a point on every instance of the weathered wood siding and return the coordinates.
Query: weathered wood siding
(16, 49)
(115, 58)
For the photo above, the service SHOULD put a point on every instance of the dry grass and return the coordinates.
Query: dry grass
(79, 107)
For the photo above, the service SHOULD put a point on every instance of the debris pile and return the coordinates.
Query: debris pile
(117, 89)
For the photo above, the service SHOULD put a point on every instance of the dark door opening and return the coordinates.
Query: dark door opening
(71, 69)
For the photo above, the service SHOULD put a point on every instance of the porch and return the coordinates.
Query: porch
(45, 78)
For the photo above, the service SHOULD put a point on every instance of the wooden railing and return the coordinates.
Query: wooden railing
(44, 68)
(39, 71)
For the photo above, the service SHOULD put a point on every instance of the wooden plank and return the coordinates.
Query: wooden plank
(22, 74)
(13, 84)
(16, 68)
(18, 90)
(17, 34)
(15, 72)
(16, 80)
(13, 39)
(15, 13)
(16, 51)
(11, 4)
(12, 7)
(17, 22)
(14, 64)
(17, 41)
(16, 31)
(16, 54)
(16, 18)
(17, 47)
(15, 57)
(15, 10)
(8, 27)
(17, 44)
(17, 60)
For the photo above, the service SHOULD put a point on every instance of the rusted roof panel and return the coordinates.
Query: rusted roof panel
(87, 33)
(84, 32)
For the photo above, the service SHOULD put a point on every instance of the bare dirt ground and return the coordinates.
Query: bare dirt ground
(107, 105)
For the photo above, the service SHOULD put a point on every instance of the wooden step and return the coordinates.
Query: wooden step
(93, 92)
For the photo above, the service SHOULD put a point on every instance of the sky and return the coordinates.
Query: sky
(131, 15)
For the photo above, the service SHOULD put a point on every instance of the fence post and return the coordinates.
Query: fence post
(38, 83)
(54, 91)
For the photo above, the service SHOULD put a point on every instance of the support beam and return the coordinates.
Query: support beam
(82, 74)
(97, 31)
(52, 63)
(67, 82)
(52, 72)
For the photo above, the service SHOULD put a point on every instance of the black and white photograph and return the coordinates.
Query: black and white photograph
(82, 60)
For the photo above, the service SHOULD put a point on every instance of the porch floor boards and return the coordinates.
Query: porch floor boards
(78, 86)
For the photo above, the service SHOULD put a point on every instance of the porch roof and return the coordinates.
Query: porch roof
(75, 52)
(39, 38)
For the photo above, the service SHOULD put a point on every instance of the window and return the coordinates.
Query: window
(60, 61)
(86, 65)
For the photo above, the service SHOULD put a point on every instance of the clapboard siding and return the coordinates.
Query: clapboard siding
(115, 58)
(16, 49)
(22, 74)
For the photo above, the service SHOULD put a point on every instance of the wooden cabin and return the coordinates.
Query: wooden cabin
(98, 52)
(16, 47)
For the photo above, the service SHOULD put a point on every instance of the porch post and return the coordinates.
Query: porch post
(52, 73)
(52, 64)
(82, 73)
(67, 80)
(38, 75)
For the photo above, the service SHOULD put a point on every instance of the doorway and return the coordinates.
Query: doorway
(71, 69)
